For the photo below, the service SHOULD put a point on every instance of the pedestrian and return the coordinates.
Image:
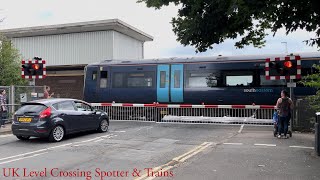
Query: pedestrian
(3, 107)
(46, 93)
(284, 106)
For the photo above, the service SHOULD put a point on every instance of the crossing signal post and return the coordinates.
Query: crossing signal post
(283, 68)
(33, 69)
(288, 68)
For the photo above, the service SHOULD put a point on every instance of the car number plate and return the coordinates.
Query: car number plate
(23, 119)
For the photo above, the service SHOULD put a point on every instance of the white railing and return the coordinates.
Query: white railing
(172, 113)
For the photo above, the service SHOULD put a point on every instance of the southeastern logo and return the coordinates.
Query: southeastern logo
(253, 90)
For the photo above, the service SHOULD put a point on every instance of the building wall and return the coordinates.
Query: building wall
(64, 86)
(80, 48)
(65, 49)
(126, 47)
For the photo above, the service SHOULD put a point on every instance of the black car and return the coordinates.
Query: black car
(55, 118)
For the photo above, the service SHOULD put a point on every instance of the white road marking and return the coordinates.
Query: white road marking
(12, 160)
(303, 147)
(233, 143)
(118, 131)
(241, 128)
(53, 147)
(99, 140)
(271, 145)
(19, 155)
(180, 159)
(6, 135)
(59, 146)
(88, 140)
(76, 145)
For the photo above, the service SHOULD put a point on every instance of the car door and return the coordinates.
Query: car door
(68, 113)
(86, 115)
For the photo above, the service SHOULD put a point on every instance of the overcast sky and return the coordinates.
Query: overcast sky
(24, 13)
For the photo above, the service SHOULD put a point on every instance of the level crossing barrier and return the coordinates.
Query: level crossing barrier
(184, 113)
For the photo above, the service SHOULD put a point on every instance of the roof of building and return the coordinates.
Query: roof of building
(220, 58)
(89, 26)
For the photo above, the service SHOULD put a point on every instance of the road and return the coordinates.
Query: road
(142, 150)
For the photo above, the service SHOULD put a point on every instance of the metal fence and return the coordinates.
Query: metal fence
(216, 114)
(19, 94)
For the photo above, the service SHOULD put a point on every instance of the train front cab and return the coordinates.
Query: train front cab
(90, 83)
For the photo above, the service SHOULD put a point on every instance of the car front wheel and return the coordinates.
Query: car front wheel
(23, 137)
(104, 126)
(57, 134)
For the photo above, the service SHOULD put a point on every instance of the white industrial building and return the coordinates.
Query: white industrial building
(67, 48)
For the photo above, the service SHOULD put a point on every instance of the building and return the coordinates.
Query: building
(68, 48)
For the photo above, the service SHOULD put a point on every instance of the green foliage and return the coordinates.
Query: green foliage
(314, 102)
(313, 80)
(10, 65)
(202, 23)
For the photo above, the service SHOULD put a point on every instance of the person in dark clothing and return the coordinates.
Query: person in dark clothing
(284, 106)
(3, 107)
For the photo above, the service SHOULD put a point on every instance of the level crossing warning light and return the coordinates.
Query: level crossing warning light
(33, 69)
(288, 67)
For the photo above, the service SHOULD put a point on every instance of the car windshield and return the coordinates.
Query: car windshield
(31, 108)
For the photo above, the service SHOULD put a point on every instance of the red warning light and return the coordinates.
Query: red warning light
(287, 64)
(36, 66)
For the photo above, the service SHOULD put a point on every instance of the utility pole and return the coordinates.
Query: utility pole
(286, 45)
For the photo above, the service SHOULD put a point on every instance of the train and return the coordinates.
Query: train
(218, 80)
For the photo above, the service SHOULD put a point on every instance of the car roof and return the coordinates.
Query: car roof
(51, 101)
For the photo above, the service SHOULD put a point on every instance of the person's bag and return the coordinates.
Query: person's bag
(275, 117)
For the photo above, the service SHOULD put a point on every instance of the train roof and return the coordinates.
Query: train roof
(220, 58)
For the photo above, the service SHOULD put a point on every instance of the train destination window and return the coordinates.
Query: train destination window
(162, 79)
(176, 79)
(204, 79)
(139, 79)
(243, 80)
(103, 79)
(94, 75)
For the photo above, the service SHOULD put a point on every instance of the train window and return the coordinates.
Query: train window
(117, 81)
(162, 79)
(103, 79)
(94, 75)
(176, 79)
(140, 79)
(201, 79)
(243, 80)
(264, 82)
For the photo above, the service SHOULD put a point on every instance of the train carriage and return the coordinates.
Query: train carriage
(199, 80)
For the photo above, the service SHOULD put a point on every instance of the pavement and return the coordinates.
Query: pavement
(5, 130)
(148, 150)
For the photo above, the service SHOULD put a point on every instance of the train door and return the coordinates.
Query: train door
(103, 84)
(90, 85)
(170, 83)
(176, 86)
(163, 83)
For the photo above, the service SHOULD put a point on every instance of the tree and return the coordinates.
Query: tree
(10, 66)
(202, 23)
(313, 80)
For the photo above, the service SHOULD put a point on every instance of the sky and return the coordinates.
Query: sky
(26, 13)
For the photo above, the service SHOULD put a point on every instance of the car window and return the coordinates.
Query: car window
(31, 108)
(65, 106)
(83, 107)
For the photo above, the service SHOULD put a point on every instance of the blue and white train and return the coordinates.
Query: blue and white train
(208, 80)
